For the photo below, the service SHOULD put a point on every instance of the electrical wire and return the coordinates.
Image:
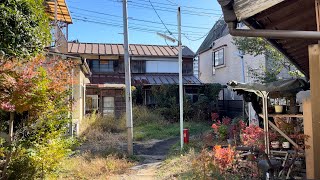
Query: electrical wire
(174, 9)
(161, 19)
(85, 16)
(134, 19)
(153, 31)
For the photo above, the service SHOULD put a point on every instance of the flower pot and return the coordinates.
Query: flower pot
(278, 109)
(275, 144)
(286, 145)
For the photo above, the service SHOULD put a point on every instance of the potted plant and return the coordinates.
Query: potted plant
(285, 144)
(277, 107)
(275, 144)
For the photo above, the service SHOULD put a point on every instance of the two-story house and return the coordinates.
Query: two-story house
(151, 65)
(219, 61)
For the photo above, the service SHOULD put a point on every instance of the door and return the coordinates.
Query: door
(108, 105)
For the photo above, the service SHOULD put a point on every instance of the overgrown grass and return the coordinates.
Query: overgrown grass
(102, 152)
(86, 166)
(149, 124)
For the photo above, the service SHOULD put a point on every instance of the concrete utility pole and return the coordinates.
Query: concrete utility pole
(180, 79)
(128, 79)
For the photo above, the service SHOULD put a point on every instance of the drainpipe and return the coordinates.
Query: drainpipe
(272, 34)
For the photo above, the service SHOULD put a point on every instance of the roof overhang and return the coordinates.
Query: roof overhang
(296, 15)
(63, 13)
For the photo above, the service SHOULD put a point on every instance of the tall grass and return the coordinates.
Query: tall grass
(102, 151)
(102, 134)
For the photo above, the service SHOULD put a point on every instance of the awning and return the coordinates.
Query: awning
(63, 13)
(284, 86)
(153, 79)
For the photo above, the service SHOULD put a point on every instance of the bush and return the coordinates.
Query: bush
(98, 134)
(142, 115)
(98, 122)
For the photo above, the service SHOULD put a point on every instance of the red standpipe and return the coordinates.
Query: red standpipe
(186, 136)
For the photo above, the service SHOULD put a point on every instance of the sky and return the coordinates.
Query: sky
(100, 21)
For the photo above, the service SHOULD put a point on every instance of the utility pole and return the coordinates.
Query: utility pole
(127, 79)
(180, 79)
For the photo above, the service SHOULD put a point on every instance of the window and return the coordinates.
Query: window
(138, 66)
(187, 68)
(92, 102)
(101, 66)
(162, 67)
(108, 105)
(218, 58)
(150, 99)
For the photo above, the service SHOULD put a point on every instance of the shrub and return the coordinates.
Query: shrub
(142, 115)
(253, 136)
(107, 123)
(98, 134)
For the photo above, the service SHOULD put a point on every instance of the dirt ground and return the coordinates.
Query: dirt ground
(151, 153)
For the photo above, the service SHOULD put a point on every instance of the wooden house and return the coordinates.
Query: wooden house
(151, 65)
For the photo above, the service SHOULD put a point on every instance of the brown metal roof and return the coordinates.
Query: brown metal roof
(144, 79)
(63, 13)
(134, 49)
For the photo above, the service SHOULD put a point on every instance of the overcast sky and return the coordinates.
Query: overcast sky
(101, 20)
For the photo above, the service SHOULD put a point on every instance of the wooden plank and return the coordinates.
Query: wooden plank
(247, 8)
(283, 134)
(314, 66)
(307, 124)
(284, 115)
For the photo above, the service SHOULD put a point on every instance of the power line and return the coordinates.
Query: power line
(134, 19)
(160, 18)
(175, 4)
(153, 31)
(174, 9)
(85, 16)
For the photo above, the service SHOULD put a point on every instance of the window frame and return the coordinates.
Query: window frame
(108, 110)
(97, 102)
(214, 57)
(94, 66)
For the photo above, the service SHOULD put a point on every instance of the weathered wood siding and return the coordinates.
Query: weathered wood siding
(247, 8)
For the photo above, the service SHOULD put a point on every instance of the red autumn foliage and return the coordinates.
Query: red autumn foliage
(23, 85)
(224, 157)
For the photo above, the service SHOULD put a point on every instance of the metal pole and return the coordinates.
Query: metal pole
(180, 79)
(127, 79)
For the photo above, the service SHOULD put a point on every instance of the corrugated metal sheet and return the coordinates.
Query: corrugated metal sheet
(144, 79)
(153, 79)
(134, 49)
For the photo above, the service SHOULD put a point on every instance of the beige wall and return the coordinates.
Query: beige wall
(78, 96)
(232, 69)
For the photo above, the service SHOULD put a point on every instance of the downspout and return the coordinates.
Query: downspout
(272, 34)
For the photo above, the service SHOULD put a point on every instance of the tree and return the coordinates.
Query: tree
(276, 61)
(38, 87)
(24, 28)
